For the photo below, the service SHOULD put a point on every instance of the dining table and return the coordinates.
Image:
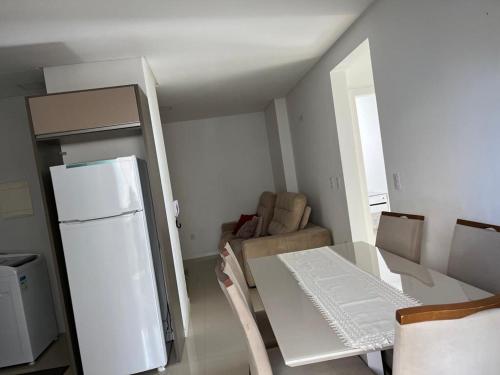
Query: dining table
(303, 333)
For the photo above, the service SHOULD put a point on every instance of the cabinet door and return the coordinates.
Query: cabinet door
(84, 110)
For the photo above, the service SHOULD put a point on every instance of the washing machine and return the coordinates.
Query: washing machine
(27, 318)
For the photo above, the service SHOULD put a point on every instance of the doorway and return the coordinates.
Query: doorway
(360, 142)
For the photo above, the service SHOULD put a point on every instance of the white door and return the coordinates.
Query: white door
(114, 296)
(98, 189)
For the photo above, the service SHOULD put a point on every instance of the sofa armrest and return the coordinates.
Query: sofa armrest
(228, 227)
(309, 238)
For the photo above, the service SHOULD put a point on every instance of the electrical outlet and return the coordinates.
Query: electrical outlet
(331, 182)
(397, 181)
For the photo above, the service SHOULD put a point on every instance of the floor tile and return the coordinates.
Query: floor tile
(215, 345)
(56, 355)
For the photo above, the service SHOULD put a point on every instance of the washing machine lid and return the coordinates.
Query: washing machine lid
(15, 260)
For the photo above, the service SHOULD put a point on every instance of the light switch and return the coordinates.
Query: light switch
(397, 181)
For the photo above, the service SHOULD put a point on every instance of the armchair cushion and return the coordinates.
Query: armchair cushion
(288, 212)
(243, 219)
(305, 217)
(248, 229)
(260, 224)
(265, 210)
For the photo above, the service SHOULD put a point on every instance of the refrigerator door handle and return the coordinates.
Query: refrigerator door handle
(123, 214)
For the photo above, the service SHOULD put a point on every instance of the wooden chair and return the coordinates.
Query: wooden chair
(233, 265)
(251, 294)
(401, 234)
(458, 339)
(269, 362)
(234, 271)
(475, 255)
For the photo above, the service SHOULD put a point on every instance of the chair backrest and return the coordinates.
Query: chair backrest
(401, 234)
(458, 339)
(475, 255)
(259, 359)
(233, 269)
(288, 212)
(265, 210)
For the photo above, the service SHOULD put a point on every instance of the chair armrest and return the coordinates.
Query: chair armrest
(308, 238)
(228, 227)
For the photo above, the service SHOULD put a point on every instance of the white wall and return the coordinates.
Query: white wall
(359, 70)
(349, 78)
(361, 87)
(280, 146)
(285, 138)
(436, 72)
(17, 163)
(93, 75)
(371, 142)
(351, 159)
(219, 168)
(166, 184)
(273, 137)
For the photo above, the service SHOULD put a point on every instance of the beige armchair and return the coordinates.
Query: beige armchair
(285, 230)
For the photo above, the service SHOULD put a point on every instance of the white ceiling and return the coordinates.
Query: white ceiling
(210, 57)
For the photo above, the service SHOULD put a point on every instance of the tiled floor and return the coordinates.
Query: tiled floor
(56, 355)
(215, 345)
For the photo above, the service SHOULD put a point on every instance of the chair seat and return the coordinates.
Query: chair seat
(265, 329)
(343, 366)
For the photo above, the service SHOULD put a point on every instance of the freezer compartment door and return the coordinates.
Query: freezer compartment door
(99, 189)
(114, 295)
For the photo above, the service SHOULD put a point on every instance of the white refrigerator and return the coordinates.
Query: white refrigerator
(110, 250)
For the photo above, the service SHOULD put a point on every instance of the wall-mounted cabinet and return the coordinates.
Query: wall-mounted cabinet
(84, 111)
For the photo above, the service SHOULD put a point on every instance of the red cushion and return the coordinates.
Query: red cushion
(243, 220)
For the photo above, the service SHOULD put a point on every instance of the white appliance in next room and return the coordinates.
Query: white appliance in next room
(378, 202)
(27, 319)
(111, 250)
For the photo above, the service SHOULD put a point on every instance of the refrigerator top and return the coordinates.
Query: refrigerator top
(96, 190)
(16, 260)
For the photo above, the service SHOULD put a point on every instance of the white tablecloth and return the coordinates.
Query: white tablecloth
(357, 305)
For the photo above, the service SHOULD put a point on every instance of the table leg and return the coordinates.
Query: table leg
(374, 362)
